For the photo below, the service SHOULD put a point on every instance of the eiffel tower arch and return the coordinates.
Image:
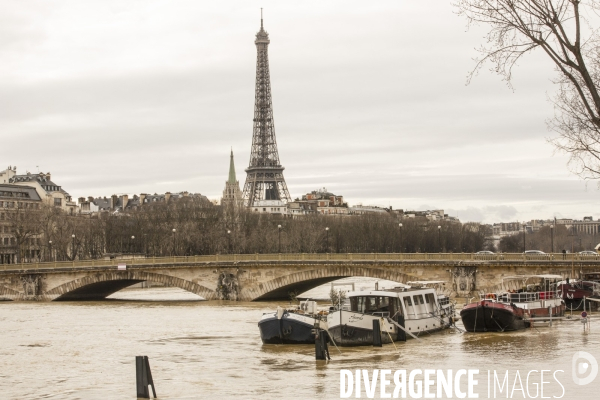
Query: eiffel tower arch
(264, 175)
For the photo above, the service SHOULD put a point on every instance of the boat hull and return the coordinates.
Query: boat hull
(356, 329)
(488, 316)
(289, 329)
(346, 335)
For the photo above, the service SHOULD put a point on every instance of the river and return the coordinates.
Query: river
(212, 350)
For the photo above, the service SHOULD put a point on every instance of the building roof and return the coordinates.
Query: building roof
(18, 192)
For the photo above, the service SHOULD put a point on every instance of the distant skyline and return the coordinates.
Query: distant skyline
(370, 101)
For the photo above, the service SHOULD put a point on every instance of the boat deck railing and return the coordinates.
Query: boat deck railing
(522, 297)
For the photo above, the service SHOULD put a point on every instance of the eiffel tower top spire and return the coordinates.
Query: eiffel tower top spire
(262, 36)
(264, 180)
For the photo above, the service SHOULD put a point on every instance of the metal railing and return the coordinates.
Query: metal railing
(520, 297)
(299, 257)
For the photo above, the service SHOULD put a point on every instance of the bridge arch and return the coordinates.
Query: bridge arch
(280, 288)
(99, 286)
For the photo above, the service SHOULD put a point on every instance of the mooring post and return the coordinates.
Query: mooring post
(143, 377)
(550, 314)
(401, 336)
(376, 333)
(321, 350)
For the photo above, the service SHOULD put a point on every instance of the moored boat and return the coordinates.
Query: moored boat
(402, 312)
(292, 326)
(575, 291)
(532, 296)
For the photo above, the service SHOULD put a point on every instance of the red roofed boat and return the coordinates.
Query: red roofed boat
(531, 296)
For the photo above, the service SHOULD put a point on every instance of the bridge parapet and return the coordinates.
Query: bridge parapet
(312, 257)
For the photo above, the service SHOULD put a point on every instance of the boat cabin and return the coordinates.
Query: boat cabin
(591, 276)
(410, 303)
(533, 289)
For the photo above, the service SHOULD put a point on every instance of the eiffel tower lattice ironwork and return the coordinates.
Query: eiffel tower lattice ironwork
(264, 179)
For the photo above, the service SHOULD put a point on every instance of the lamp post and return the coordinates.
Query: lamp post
(131, 246)
(73, 246)
(440, 237)
(400, 226)
(174, 230)
(551, 238)
(524, 248)
(229, 239)
(279, 233)
(327, 239)
(50, 249)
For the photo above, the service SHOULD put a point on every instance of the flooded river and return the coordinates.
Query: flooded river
(212, 350)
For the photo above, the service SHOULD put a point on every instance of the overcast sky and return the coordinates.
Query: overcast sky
(370, 101)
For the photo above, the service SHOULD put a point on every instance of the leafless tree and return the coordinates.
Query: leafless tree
(24, 224)
(565, 30)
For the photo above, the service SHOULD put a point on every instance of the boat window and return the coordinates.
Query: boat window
(370, 304)
(407, 301)
(429, 298)
(357, 304)
(395, 307)
(353, 303)
(384, 304)
(361, 304)
(418, 300)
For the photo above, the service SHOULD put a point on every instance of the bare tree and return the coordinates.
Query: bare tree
(564, 30)
(24, 224)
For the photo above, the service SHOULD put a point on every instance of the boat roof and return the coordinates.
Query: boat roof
(425, 282)
(522, 277)
(390, 292)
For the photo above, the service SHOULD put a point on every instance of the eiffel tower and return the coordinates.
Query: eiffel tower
(264, 179)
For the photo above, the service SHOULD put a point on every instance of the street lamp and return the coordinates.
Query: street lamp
(327, 239)
(174, 230)
(524, 248)
(551, 238)
(400, 226)
(440, 237)
(229, 239)
(50, 248)
(73, 246)
(131, 246)
(279, 232)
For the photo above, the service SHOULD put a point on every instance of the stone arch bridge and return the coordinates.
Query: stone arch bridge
(251, 277)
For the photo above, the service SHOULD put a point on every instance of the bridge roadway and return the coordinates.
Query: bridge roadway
(249, 277)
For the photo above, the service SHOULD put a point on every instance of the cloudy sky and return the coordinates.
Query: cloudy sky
(370, 101)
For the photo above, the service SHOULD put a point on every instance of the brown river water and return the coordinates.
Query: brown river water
(212, 350)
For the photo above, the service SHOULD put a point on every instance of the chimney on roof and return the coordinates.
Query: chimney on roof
(90, 199)
(124, 200)
(48, 176)
(167, 196)
(142, 198)
(81, 200)
(113, 202)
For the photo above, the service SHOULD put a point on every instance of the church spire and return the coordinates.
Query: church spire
(231, 170)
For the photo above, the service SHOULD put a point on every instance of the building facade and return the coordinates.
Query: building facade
(20, 239)
(49, 192)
